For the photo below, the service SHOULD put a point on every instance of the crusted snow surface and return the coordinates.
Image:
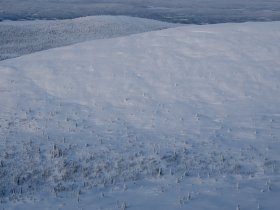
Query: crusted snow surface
(183, 118)
(25, 37)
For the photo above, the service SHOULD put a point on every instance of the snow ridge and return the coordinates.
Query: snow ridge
(25, 37)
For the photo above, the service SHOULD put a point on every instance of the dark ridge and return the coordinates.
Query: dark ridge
(176, 11)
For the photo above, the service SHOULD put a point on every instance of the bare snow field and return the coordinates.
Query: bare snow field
(182, 118)
(24, 37)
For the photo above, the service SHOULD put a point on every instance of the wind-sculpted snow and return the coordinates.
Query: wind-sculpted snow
(25, 37)
(181, 118)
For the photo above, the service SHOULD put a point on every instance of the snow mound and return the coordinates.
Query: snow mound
(25, 37)
(183, 117)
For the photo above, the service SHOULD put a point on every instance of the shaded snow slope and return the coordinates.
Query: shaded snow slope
(25, 37)
(186, 117)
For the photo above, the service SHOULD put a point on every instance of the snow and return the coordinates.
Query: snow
(182, 118)
(176, 11)
(25, 37)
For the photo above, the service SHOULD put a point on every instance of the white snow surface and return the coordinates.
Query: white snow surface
(25, 37)
(183, 118)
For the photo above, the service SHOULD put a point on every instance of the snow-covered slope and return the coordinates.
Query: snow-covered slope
(184, 118)
(25, 37)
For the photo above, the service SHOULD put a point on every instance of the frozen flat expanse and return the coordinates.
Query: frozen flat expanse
(25, 37)
(183, 118)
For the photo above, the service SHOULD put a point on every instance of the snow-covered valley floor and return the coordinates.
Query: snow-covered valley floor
(183, 118)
